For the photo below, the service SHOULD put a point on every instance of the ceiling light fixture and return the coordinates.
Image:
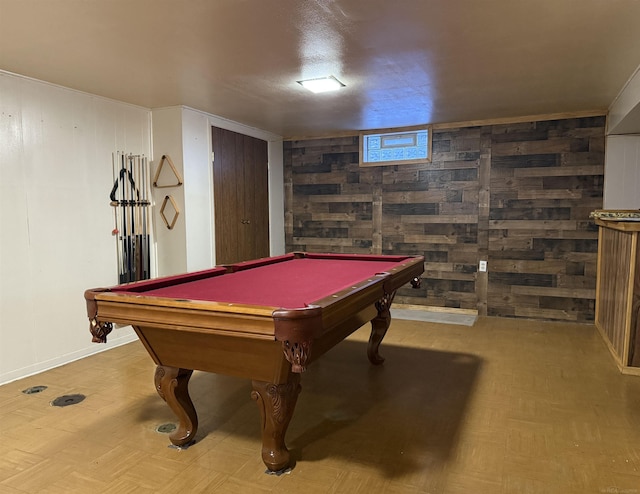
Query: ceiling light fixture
(322, 84)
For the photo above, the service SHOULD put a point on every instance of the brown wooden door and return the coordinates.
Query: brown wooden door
(241, 195)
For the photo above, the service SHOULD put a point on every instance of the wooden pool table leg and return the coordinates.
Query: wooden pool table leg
(172, 384)
(276, 403)
(379, 326)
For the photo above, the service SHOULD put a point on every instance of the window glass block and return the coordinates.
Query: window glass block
(395, 146)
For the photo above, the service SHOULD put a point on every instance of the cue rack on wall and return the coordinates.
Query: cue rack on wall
(130, 200)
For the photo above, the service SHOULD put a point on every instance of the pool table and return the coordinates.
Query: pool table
(265, 320)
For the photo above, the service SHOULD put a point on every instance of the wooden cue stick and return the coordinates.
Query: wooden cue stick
(125, 214)
(135, 219)
(114, 204)
(132, 165)
(143, 206)
(147, 252)
(123, 218)
(143, 187)
(137, 206)
(138, 222)
(140, 226)
(132, 206)
(132, 230)
(118, 192)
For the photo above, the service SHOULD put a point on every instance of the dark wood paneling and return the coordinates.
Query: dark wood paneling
(241, 194)
(517, 195)
(329, 206)
(433, 209)
(545, 180)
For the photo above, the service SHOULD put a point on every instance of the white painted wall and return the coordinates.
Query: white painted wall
(167, 140)
(622, 172)
(622, 156)
(196, 145)
(56, 148)
(624, 111)
(276, 198)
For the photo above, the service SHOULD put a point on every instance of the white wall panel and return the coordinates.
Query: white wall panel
(622, 172)
(56, 175)
(198, 180)
(167, 140)
(276, 198)
(624, 112)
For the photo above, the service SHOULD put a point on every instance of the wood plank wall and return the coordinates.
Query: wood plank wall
(615, 269)
(517, 195)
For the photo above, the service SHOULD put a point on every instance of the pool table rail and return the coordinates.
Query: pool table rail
(217, 317)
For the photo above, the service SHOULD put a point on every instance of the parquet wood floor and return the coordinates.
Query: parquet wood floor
(503, 406)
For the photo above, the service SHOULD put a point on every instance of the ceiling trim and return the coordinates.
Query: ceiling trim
(473, 123)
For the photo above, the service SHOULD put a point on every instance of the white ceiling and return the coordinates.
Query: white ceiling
(404, 62)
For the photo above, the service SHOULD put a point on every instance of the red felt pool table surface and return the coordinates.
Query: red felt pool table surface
(289, 283)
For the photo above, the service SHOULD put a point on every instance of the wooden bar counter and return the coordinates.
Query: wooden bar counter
(618, 286)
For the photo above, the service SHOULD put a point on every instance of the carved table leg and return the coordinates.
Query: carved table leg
(379, 326)
(172, 384)
(276, 403)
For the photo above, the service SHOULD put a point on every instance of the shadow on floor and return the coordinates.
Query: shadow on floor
(398, 417)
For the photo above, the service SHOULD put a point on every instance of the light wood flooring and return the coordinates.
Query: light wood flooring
(503, 406)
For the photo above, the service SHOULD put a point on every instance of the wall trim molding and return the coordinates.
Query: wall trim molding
(39, 367)
(475, 123)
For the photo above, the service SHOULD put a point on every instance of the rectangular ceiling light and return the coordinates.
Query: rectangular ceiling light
(322, 84)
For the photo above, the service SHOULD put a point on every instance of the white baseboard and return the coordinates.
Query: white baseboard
(39, 367)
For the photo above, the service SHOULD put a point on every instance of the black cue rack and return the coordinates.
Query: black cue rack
(130, 200)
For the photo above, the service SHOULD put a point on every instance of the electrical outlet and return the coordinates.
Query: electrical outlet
(482, 267)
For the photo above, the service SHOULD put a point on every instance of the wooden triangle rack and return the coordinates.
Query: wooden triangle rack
(165, 157)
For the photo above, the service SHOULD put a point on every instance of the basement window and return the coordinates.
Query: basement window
(395, 146)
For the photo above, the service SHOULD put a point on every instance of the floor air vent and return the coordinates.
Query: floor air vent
(66, 400)
(34, 389)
